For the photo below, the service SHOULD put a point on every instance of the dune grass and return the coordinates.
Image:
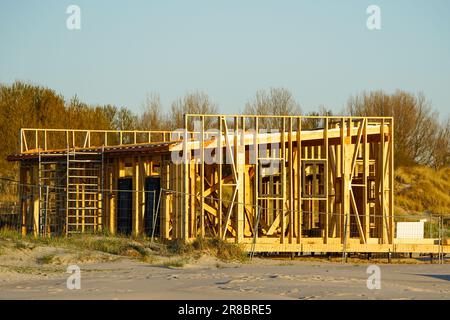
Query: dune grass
(115, 245)
(222, 250)
(46, 259)
(421, 189)
(140, 248)
(177, 263)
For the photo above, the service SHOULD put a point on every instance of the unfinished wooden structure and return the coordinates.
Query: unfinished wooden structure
(270, 183)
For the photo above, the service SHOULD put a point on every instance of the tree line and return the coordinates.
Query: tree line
(421, 137)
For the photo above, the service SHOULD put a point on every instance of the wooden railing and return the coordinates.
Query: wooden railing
(54, 139)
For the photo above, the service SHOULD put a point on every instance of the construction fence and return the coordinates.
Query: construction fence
(426, 227)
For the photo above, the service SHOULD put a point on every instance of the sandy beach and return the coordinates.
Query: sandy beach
(207, 278)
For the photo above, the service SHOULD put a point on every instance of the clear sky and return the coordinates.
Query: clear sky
(320, 50)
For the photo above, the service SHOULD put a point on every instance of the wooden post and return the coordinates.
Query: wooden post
(299, 179)
(135, 197)
(141, 194)
(239, 157)
(83, 205)
(347, 156)
(326, 182)
(165, 199)
(113, 197)
(291, 182)
(36, 200)
(366, 207)
(256, 209)
(193, 227)
(219, 168)
(391, 182)
(283, 181)
(202, 178)
(384, 235)
(185, 185)
(20, 189)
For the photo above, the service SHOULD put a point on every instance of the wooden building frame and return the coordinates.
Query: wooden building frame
(268, 183)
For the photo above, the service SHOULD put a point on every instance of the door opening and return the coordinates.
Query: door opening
(125, 206)
(152, 216)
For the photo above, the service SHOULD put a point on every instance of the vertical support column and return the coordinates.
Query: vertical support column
(326, 181)
(105, 192)
(291, 182)
(219, 168)
(185, 186)
(193, 227)
(382, 172)
(366, 207)
(178, 210)
(113, 197)
(83, 203)
(141, 193)
(391, 181)
(299, 179)
(346, 158)
(239, 150)
(174, 183)
(36, 199)
(165, 202)
(202, 178)
(282, 156)
(20, 190)
(135, 196)
(256, 209)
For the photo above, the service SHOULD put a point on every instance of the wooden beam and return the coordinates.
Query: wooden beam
(291, 182)
(382, 184)
(135, 197)
(214, 212)
(230, 210)
(283, 179)
(202, 178)
(230, 152)
(391, 182)
(185, 185)
(299, 180)
(366, 164)
(256, 208)
(358, 142)
(219, 176)
(326, 182)
(240, 166)
(356, 214)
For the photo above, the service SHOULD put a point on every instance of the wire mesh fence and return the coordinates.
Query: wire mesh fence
(308, 224)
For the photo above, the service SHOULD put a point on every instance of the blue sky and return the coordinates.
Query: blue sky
(320, 50)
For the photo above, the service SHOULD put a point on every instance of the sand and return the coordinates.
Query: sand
(208, 278)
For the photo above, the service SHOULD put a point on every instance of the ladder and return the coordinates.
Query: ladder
(84, 191)
(51, 178)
